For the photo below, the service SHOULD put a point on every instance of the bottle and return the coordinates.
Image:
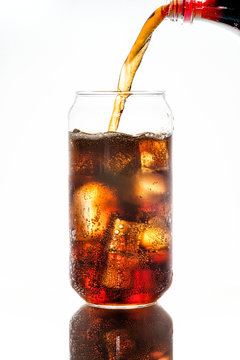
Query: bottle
(223, 11)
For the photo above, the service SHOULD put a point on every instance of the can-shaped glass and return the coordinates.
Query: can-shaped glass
(133, 334)
(120, 199)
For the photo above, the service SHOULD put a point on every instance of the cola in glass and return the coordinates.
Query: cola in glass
(120, 217)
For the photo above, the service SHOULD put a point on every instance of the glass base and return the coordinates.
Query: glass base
(121, 307)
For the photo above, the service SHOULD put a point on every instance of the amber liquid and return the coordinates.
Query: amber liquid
(133, 61)
(120, 217)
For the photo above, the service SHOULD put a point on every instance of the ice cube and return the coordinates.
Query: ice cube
(159, 355)
(122, 156)
(148, 187)
(154, 154)
(92, 207)
(119, 271)
(122, 255)
(82, 164)
(124, 237)
(85, 154)
(156, 236)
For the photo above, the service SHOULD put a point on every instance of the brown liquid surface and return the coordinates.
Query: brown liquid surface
(133, 61)
(120, 217)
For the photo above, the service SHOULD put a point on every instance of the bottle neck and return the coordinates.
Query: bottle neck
(186, 10)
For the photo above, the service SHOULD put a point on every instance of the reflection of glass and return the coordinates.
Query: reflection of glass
(120, 199)
(136, 334)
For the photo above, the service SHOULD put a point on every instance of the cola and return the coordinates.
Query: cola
(133, 62)
(120, 217)
(136, 334)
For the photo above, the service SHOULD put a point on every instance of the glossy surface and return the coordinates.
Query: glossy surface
(223, 11)
(120, 217)
(140, 334)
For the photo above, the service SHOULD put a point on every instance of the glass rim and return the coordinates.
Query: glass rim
(115, 93)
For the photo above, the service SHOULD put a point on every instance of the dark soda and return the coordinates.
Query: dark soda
(120, 217)
(136, 334)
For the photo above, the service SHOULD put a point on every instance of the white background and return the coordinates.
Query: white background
(48, 50)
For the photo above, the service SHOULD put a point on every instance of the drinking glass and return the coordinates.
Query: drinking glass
(120, 199)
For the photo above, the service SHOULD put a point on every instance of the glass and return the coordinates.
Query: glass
(134, 334)
(120, 199)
